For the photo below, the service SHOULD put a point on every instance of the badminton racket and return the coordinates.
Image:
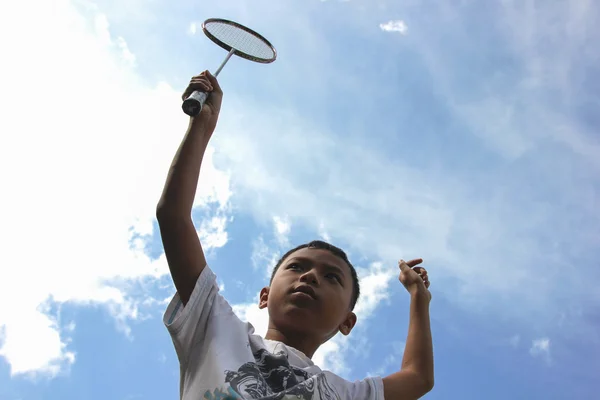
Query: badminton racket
(236, 39)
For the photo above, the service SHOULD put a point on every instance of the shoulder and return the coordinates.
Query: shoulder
(204, 292)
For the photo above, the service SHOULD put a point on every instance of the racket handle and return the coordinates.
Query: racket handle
(193, 104)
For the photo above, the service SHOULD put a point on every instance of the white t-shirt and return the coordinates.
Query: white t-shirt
(221, 358)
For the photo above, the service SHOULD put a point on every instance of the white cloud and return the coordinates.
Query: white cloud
(541, 348)
(127, 55)
(192, 28)
(374, 288)
(21, 347)
(392, 361)
(394, 26)
(92, 160)
(323, 234)
(332, 355)
(264, 257)
(251, 313)
(282, 230)
(70, 327)
(260, 253)
(212, 232)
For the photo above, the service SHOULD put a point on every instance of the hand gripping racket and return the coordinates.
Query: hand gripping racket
(236, 39)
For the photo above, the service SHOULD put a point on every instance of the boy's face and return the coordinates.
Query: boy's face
(310, 295)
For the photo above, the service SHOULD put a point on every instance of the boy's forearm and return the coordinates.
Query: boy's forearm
(415, 377)
(418, 352)
(182, 180)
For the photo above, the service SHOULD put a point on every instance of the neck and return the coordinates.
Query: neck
(299, 341)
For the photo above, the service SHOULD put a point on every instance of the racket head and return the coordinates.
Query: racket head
(245, 42)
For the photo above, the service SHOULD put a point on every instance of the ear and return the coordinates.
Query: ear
(346, 326)
(263, 297)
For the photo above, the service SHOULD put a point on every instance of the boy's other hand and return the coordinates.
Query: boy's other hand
(414, 278)
(206, 82)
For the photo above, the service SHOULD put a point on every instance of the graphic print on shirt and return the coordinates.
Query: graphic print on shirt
(272, 377)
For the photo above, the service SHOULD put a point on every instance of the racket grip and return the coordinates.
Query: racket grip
(193, 104)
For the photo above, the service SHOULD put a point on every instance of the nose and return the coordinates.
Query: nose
(310, 277)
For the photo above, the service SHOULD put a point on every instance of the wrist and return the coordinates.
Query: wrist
(420, 295)
(202, 124)
(201, 132)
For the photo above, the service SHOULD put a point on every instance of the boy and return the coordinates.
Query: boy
(310, 299)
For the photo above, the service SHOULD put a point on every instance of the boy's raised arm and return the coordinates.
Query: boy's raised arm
(415, 377)
(174, 210)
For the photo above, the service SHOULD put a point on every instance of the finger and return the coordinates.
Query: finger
(427, 283)
(199, 76)
(420, 270)
(213, 81)
(403, 266)
(201, 84)
(201, 87)
(201, 79)
(414, 262)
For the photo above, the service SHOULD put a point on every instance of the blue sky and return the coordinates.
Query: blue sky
(461, 132)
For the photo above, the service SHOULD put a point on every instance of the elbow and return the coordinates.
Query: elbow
(424, 383)
(161, 210)
(421, 387)
(166, 212)
(407, 384)
(428, 384)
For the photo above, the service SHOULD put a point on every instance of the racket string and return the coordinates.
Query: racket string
(241, 40)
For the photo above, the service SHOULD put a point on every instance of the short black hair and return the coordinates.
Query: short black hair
(319, 244)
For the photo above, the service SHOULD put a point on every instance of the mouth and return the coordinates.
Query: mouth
(306, 290)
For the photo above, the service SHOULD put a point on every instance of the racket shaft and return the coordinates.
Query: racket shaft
(218, 71)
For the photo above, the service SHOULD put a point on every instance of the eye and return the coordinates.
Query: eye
(334, 278)
(294, 266)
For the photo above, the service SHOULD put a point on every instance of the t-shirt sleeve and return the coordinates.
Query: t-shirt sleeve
(370, 389)
(188, 324)
(366, 389)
